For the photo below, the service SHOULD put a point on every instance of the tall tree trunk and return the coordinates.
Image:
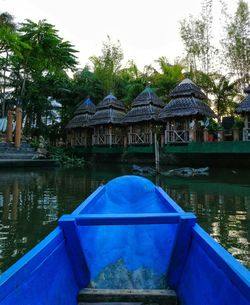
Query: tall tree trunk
(4, 84)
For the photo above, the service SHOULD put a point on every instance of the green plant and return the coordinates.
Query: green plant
(59, 154)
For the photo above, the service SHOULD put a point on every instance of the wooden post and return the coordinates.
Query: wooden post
(110, 135)
(220, 135)
(192, 135)
(125, 140)
(151, 134)
(9, 133)
(205, 135)
(162, 140)
(18, 133)
(130, 135)
(72, 138)
(192, 131)
(157, 155)
(85, 140)
(236, 134)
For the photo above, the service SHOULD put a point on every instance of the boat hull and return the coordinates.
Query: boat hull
(135, 223)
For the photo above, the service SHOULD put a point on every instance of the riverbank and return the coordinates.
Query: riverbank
(213, 154)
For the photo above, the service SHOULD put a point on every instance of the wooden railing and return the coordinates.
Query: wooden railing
(80, 141)
(246, 134)
(176, 136)
(140, 139)
(107, 139)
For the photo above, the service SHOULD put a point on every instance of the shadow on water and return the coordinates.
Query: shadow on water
(31, 201)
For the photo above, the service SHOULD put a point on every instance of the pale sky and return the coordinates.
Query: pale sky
(147, 29)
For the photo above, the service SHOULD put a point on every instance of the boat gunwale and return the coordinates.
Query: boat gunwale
(236, 272)
(21, 270)
(85, 204)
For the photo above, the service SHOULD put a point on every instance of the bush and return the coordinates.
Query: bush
(59, 154)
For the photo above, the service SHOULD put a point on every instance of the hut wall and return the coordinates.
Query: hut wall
(246, 129)
(141, 134)
(177, 131)
(107, 135)
(183, 131)
(79, 137)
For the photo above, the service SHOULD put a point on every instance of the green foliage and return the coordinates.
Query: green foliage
(34, 61)
(108, 64)
(196, 34)
(60, 154)
(169, 77)
(236, 42)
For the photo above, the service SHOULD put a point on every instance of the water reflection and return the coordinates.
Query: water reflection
(32, 200)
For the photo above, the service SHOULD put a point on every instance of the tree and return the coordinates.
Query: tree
(169, 77)
(133, 82)
(107, 65)
(223, 92)
(36, 73)
(196, 34)
(48, 52)
(10, 43)
(236, 42)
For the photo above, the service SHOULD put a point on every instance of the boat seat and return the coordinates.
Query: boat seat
(126, 296)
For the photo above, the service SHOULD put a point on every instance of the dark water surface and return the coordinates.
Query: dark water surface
(32, 200)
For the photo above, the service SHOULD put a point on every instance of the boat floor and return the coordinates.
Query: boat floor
(127, 296)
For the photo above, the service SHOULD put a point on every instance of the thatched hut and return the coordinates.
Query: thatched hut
(142, 118)
(77, 130)
(244, 110)
(107, 122)
(183, 113)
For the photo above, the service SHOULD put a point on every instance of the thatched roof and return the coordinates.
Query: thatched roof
(82, 115)
(186, 103)
(86, 107)
(187, 88)
(244, 106)
(145, 107)
(108, 111)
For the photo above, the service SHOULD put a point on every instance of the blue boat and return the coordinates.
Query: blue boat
(127, 242)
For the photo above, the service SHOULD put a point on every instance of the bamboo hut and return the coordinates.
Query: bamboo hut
(184, 113)
(142, 118)
(77, 130)
(107, 122)
(244, 110)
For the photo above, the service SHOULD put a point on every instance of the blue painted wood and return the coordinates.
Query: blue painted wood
(74, 250)
(129, 219)
(238, 274)
(200, 269)
(90, 200)
(181, 249)
(23, 268)
(202, 280)
(172, 205)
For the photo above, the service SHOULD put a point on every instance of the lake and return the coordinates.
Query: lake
(32, 200)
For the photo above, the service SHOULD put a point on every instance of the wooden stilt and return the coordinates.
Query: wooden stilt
(18, 133)
(9, 133)
(157, 155)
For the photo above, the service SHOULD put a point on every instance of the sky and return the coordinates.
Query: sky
(147, 29)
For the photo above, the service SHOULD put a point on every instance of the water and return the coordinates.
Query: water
(31, 201)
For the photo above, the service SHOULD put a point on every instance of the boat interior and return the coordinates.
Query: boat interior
(127, 243)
